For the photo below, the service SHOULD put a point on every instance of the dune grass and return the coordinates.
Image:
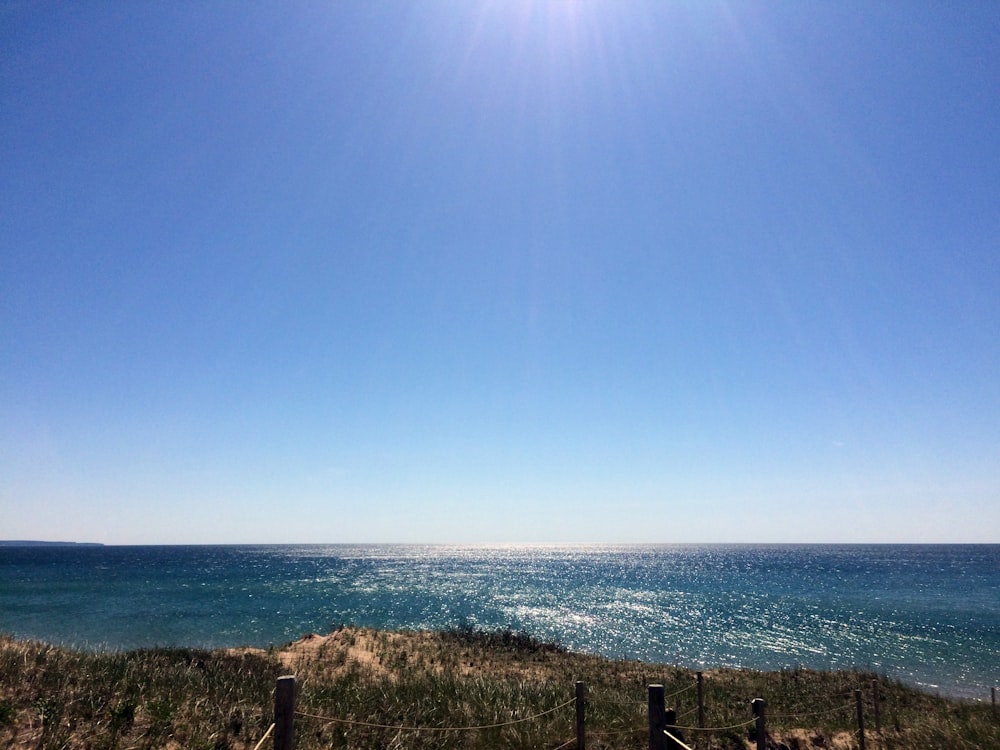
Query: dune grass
(423, 690)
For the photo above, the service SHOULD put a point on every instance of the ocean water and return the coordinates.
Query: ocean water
(928, 615)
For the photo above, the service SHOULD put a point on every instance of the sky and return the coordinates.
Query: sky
(499, 272)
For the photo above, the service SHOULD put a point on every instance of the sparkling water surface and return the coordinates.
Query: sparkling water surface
(928, 615)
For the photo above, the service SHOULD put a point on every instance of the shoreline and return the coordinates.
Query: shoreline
(922, 614)
(372, 684)
(312, 642)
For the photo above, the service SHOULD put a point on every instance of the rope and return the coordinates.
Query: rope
(599, 702)
(687, 713)
(263, 739)
(405, 728)
(718, 729)
(617, 732)
(682, 690)
(677, 740)
(642, 703)
(811, 713)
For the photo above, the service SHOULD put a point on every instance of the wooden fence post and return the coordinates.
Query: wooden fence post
(284, 712)
(878, 709)
(993, 697)
(701, 702)
(581, 694)
(760, 728)
(657, 718)
(861, 720)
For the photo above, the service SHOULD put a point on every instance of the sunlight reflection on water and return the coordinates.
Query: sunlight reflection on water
(924, 614)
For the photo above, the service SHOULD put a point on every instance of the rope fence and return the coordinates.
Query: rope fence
(263, 739)
(405, 728)
(683, 690)
(665, 730)
(639, 702)
(616, 732)
(687, 713)
(602, 702)
(676, 741)
(812, 714)
(730, 728)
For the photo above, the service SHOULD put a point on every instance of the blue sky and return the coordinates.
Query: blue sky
(500, 272)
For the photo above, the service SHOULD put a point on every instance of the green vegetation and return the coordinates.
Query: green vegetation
(421, 688)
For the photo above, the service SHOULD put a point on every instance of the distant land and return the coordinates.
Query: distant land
(33, 543)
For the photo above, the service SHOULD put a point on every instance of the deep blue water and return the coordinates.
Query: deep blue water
(929, 615)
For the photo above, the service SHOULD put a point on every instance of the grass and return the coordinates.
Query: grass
(414, 690)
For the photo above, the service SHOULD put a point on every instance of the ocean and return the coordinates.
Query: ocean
(927, 615)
